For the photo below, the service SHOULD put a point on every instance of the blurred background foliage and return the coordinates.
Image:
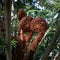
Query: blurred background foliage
(47, 9)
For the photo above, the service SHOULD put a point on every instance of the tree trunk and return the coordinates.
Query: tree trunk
(12, 18)
(8, 27)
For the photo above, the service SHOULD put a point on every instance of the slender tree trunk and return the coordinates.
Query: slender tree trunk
(8, 27)
(12, 18)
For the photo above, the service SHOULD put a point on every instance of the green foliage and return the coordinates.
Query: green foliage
(3, 45)
(13, 43)
(2, 49)
(49, 12)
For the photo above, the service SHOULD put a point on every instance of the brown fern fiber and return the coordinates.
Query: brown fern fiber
(36, 41)
(38, 24)
(24, 23)
(32, 48)
(28, 37)
(21, 13)
(21, 36)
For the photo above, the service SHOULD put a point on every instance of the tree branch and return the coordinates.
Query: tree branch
(57, 57)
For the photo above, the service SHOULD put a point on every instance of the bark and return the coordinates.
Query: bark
(12, 18)
(7, 25)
